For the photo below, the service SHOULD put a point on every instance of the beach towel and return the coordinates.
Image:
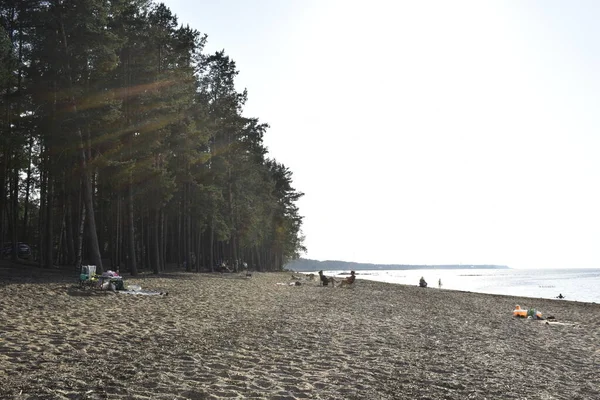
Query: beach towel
(143, 292)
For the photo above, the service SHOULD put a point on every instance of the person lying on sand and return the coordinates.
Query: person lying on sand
(349, 280)
(325, 279)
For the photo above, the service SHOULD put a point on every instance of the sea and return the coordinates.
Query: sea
(574, 284)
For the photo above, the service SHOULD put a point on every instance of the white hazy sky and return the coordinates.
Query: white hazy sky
(427, 132)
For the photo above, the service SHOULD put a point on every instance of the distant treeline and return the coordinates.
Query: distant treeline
(303, 264)
(123, 143)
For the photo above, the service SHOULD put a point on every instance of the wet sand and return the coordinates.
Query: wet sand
(224, 336)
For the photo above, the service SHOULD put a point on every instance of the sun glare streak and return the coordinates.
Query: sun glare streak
(99, 99)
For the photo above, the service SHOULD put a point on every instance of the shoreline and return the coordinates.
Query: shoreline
(370, 276)
(224, 336)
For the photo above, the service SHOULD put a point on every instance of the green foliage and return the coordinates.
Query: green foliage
(162, 128)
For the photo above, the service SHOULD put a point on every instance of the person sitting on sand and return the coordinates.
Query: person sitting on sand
(560, 296)
(422, 282)
(224, 268)
(349, 280)
(325, 280)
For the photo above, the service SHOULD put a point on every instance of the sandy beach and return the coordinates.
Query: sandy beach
(224, 336)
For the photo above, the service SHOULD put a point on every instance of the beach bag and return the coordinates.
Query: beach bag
(119, 284)
(87, 272)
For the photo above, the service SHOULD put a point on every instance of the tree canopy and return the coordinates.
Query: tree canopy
(124, 144)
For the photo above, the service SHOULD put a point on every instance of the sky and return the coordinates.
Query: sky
(427, 132)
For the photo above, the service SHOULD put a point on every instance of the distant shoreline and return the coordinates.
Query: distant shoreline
(308, 265)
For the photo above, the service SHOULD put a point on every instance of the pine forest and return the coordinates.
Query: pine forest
(123, 144)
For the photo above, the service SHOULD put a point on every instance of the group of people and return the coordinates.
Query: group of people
(326, 280)
(224, 267)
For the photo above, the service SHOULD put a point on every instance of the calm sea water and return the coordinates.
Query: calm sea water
(574, 284)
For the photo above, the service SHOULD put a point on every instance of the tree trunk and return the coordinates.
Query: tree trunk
(159, 234)
(188, 231)
(118, 243)
(154, 233)
(212, 245)
(88, 198)
(131, 228)
(27, 190)
(49, 245)
(179, 246)
(15, 211)
(3, 158)
(80, 236)
(165, 238)
(88, 194)
(142, 240)
(42, 212)
(68, 223)
(59, 249)
(198, 252)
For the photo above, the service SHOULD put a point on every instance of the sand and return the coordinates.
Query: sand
(224, 336)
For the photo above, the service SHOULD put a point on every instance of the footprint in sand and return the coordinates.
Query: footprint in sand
(261, 384)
